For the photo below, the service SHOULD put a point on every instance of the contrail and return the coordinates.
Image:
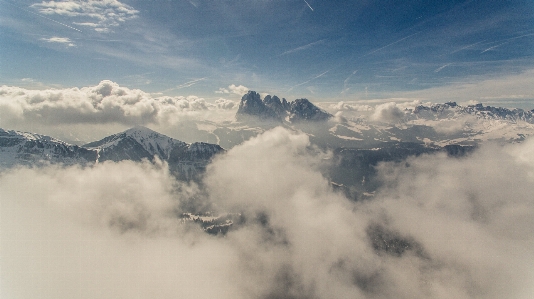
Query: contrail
(184, 85)
(302, 47)
(398, 41)
(466, 47)
(318, 76)
(39, 15)
(190, 83)
(308, 5)
(507, 41)
(441, 67)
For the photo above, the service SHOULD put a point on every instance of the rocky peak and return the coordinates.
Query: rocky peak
(251, 104)
(302, 110)
(273, 108)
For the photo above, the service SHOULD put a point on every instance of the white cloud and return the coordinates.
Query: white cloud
(440, 228)
(388, 113)
(498, 90)
(350, 107)
(105, 13)
(225, 104)
(104, 232)
(233, 89)
(61, 40)
(105, 103)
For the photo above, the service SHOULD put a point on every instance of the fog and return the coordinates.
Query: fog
(438, 227)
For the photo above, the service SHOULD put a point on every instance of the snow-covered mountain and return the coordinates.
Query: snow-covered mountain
(31, 149)
(187, 161)
(452, 110)
(135, 144)
(434, 125)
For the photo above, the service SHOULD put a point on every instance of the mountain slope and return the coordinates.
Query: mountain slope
(135, 144)
(186, 161)
(31, 149)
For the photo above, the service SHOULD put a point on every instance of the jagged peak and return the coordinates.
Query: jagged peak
(271, 107)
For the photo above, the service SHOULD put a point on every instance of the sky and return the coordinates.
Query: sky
(320, 50)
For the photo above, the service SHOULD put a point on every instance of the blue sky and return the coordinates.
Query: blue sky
(322, 50)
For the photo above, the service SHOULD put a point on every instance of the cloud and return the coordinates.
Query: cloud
(225, 104)
(500, 90)
(103, 13)
(60, 40)
(105, 103)
(190, 83)
(233, 89)
(436, 230)
(439, 228)
(350, 107)
(388, 112)
(121, 237)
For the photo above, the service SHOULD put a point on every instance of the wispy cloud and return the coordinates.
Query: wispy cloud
(391, 44)
(190, 83)
(346, 82)
(466, 47)
(61, 40)
(308, 5)
(305, 47)
(504, 88)
(44, 17)
(106, 13)
(441, 67)
(506, 41)
(316, 77)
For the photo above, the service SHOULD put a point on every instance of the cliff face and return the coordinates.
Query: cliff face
(272, 108)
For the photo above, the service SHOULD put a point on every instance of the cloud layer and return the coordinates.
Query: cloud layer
(105, 103)
(439, 228)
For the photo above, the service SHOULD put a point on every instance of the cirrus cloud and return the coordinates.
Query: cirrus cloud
(104, 13)
(61, 40)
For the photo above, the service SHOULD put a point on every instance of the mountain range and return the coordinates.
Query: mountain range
(186, 160)
(431, 125)
(358, 141)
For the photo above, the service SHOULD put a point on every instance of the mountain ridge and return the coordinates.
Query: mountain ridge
(272, 108)
(187, 161)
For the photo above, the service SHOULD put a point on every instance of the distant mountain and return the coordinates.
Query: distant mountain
(33, 149)
(135, 144)
(272, 108)
(452, 110)
(186, 161)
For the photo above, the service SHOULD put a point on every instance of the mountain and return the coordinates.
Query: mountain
(135, 144)
(272, 108)
(453, 110)
(33, 149)
(186, 161)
